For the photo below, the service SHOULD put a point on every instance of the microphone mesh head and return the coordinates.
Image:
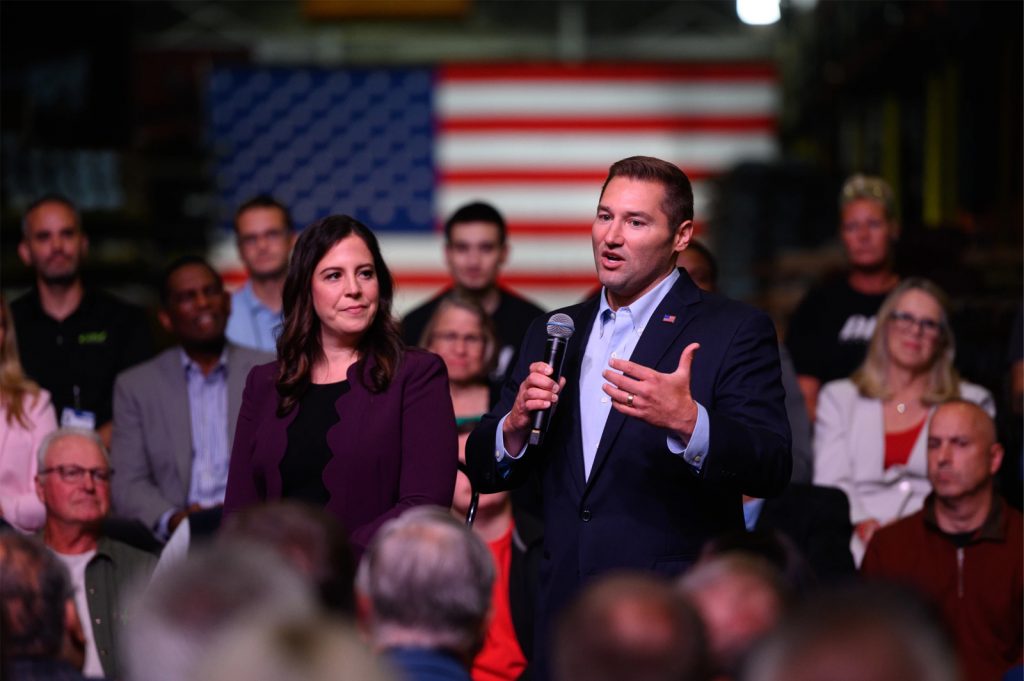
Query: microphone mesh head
(560, 326)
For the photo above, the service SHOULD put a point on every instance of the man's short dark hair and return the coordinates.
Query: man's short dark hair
(678, 204)
(177, 264)
(698, 247)
(33, 592)
(265, 201)
(478, 211)
(51, 197)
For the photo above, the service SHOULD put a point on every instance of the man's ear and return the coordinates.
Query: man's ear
(684, 232)
(24, 253)
(165, 320)
(39, 491)
(995, 453)
(503, 256)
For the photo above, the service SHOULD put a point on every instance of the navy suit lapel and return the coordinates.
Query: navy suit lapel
(584, 321)
(674, 313)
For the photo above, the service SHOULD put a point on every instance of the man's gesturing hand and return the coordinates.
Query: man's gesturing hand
(537, 391)
(662, 400)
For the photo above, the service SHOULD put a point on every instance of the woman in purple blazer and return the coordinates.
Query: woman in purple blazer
(347, 418)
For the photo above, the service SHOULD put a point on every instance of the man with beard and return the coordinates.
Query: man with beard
(174, 416)
(265, 236)
(73, 340)
(475, 249)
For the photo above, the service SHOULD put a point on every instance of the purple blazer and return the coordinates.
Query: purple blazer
(392, 450)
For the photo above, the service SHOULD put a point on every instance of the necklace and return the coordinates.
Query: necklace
(901, 408)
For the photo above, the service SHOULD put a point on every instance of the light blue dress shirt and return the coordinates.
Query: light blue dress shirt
(614, 335)
(252, 323)
(208, 417)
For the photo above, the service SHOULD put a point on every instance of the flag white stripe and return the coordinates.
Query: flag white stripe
(542, 150)
(563, 99)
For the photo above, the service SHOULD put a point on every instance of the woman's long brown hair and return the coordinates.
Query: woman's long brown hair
(299, 347)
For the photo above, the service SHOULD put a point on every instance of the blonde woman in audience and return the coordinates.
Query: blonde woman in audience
(26, 416)
(870, 436)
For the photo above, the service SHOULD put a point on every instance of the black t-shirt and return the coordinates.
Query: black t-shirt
(511, 319)
(85, 352)
(829, 333)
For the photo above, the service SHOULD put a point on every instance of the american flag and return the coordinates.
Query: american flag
(400, 149)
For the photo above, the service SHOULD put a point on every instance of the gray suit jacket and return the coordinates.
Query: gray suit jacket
(151, 450)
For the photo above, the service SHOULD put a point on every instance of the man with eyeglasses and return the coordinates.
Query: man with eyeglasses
(265, 235)
(74, 485)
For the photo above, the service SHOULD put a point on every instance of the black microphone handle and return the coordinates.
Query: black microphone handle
(554, 354)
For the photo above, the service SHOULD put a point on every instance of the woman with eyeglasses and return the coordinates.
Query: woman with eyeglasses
(871, 430)
(26, 417)
(462, 333)
(347, 418)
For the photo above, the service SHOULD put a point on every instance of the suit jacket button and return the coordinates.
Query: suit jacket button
(586, 515)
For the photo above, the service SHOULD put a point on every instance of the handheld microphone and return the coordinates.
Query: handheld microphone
(560, 329)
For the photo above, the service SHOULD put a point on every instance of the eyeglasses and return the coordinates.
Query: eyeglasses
(76, 474)
(452, 338)
(908, 323)
(273, 236)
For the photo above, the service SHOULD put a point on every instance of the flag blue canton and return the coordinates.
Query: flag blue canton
(358, 142)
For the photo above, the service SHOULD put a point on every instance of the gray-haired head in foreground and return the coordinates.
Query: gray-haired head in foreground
(858, 633)
(428, 578)
(183, 613)
(309, 649)
(34, 588)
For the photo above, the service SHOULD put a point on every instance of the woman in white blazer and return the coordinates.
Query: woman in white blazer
(871, 430)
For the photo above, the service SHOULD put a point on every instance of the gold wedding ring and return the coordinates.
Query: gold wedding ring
(629, 399)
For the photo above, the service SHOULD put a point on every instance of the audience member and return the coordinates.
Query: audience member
(514, 537)
(816, 520)
(630, 627)
(771, 546)
(74, 339)
(308, 538)
(40, 633)
(964, 549)
(175, 415)
(741, 598)
(700, 264)
(462, 335)
(310, 649)
(186, 613)
(347, 418)
(475, 249)
(425, 589)
(871, 429)
(646, 458)
(265, 236)
(857, 633)
(829, 332)
(74, 486)
(26, 416)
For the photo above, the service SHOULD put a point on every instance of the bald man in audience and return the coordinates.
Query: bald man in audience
(964, 549)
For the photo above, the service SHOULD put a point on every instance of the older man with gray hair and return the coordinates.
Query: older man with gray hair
(424, 589)
(74, 485)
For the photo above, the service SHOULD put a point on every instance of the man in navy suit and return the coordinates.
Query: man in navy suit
(647, 457)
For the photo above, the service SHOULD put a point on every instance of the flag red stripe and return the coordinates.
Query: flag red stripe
(544, 175)
(510, 72)
(578, 123)
(540, 229)
(512, 280)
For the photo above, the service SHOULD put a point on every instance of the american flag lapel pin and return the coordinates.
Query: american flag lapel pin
(669, 319)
